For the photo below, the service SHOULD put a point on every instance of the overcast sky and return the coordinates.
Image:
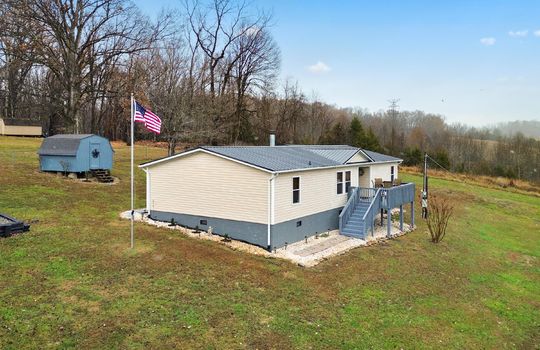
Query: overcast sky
(476, 62)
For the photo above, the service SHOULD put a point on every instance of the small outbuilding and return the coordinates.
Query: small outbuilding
(75, 153)
(20, 127)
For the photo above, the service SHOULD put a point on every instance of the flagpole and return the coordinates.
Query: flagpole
(132, 187)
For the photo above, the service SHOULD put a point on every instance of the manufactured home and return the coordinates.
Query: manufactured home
(272, 196)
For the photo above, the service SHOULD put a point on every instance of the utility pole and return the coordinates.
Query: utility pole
(393, 111)
(425, 189)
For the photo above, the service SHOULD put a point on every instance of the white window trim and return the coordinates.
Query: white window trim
(299, 190)
(342, 183)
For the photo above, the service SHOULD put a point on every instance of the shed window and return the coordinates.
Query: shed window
(339, 182)
(392, 173)
(296, 190)
(347, 181)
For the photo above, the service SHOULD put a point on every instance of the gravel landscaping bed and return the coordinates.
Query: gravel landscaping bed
(305, 253)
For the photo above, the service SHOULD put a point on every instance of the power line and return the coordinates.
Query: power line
(434, 161)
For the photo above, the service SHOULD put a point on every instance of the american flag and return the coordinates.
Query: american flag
(150, 120)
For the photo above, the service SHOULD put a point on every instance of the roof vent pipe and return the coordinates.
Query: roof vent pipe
(272, 138)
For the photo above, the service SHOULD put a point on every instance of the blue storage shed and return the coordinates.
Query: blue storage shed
(75, 153)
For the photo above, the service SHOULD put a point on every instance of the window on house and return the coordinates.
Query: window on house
(392, 173)
(296, 190)
(339, 182)
(347, 181)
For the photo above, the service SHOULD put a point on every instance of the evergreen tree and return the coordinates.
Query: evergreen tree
(371, 142)
(357, 135)
(441, 156)
(335, 136)
(413, 156)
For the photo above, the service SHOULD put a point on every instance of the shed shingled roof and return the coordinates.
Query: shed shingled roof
(295, 157)
(21, 122)
(62, 144)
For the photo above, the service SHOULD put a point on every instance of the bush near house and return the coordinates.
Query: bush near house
(440, 210)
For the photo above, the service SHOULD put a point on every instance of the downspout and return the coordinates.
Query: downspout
(271, 213)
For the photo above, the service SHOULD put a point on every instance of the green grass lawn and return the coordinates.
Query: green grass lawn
(72, 282)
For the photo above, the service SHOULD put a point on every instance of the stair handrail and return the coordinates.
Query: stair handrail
(376, 197)
(347, 210)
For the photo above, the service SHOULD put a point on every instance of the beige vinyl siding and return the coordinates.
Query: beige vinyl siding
(365, 179)
(358, 157)
(20, 130)
(383, 171)
(207, 185)
(317, 193)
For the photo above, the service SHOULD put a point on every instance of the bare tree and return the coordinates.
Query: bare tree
(79, 40)
(234, 44)
(14, 70)
(170, 90)
(254, 63)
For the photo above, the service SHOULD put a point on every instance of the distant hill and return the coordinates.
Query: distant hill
(530, 128)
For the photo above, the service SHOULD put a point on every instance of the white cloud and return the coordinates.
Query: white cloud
(487, 41)
(319, 67)
(537, 32)
(518, 33)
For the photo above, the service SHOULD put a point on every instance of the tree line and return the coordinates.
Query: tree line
(210, 70)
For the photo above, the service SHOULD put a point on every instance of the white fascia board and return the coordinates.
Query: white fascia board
(369, 159)
(204, 151)
(339, 166)
(166, 159)
(389, 162)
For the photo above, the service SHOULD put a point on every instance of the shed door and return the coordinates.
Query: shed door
(95, 154)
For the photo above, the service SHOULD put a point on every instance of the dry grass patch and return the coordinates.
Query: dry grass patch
(514, 185)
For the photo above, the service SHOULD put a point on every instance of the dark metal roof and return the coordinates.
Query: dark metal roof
(21, 122)
(286, 158)
(275, 158)
(282, 158)
(62, 145)
(379, 157)
(337, 153)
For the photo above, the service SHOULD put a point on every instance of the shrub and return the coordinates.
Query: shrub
(440, 210)
(412, 156)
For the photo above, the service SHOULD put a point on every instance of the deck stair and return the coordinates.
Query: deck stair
(364, 204)
(102, 175)
(356, 226)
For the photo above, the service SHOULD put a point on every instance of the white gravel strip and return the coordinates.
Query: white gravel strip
(323, 246)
